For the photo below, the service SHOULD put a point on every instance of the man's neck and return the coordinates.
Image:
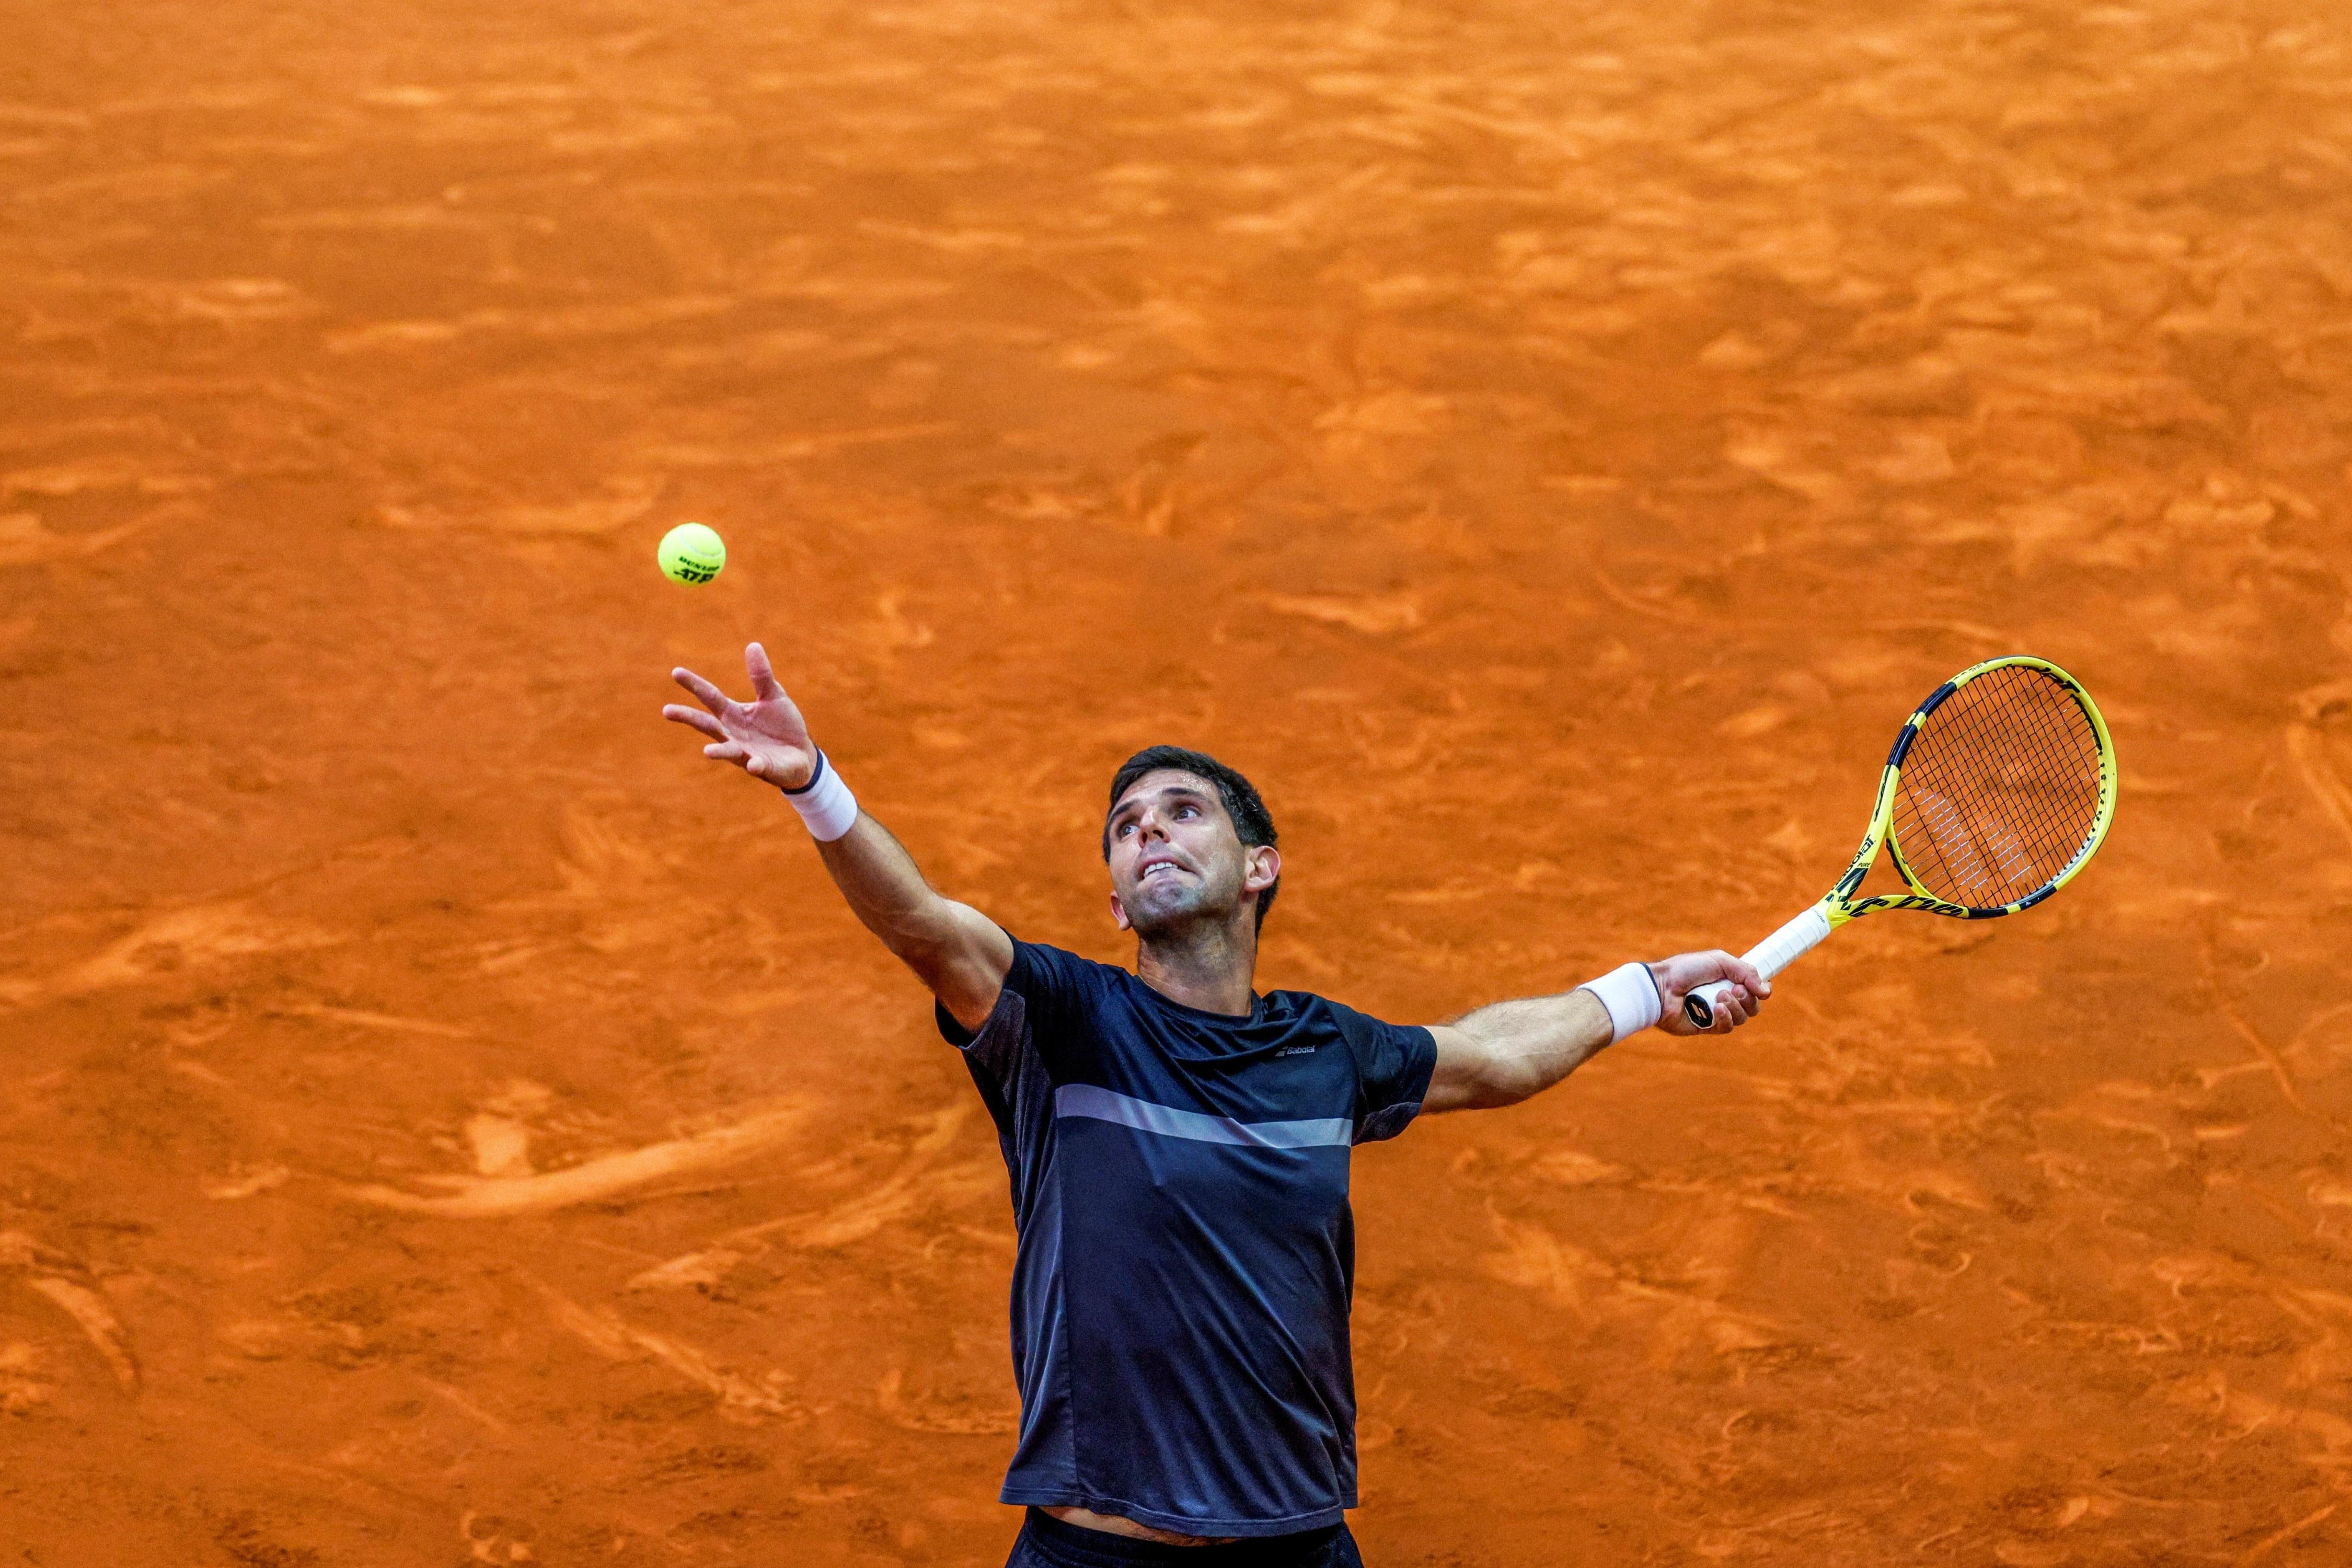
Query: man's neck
(1205, 966)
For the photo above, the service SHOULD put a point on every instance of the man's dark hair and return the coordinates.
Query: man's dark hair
(1252, 823)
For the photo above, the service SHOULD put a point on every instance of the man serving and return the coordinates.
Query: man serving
(1178, 1150)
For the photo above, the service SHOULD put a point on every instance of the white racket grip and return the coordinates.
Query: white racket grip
(1770, 956)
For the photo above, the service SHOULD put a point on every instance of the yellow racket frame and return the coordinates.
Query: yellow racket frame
(1841, 904)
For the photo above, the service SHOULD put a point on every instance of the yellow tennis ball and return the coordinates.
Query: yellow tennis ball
(691, 554)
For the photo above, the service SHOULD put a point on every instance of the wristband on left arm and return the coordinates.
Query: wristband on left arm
(1629, 993)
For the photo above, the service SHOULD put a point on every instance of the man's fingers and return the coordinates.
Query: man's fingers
(678, 713)
(726, 752)
(709, 696)
(763, 674)
(1748, 976)
(1741, 972)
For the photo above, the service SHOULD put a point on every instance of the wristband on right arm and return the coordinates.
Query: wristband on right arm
(824, 803)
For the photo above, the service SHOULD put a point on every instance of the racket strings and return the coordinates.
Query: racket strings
(2013, 777)
(2001, 790)
(2026, 805)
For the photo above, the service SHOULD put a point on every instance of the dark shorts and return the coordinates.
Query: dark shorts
(1047, 1542)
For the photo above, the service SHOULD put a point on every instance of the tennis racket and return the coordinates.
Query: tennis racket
(1999, 791)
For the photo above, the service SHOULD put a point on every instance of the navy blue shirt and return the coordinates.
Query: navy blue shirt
(1180, 1290)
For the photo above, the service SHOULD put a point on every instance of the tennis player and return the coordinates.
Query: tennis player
(1179, 1147)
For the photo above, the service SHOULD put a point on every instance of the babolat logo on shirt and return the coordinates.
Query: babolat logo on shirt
(1189, 1369)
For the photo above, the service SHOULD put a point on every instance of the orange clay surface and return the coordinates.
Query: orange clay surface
(445, 1120)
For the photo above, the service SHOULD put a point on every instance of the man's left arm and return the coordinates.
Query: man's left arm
(1510, 1051)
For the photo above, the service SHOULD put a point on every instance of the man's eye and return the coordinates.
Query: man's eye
(1183, 811)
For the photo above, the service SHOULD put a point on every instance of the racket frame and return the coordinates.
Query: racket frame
(1840, 905)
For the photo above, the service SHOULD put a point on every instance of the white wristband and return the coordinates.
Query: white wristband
(1631, 995)
(824, 803)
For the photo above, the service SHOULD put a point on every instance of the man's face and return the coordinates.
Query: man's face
(1174, 856)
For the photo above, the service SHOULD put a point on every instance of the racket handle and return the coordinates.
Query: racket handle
(1770, 956)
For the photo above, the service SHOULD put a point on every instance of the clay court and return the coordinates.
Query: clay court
(1550, 449)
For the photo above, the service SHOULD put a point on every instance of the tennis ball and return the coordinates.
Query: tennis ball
(691, 554)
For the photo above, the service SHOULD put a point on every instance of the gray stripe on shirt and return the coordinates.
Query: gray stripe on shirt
(1103, 1105)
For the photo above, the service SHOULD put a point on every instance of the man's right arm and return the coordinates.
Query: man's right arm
(959, 953)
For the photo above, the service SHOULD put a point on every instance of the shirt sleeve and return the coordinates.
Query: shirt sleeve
(1048, 983)
(1393, 1064)
(1009, 1068)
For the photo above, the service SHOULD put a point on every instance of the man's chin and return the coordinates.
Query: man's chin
(1166, 917)
(1150, 923)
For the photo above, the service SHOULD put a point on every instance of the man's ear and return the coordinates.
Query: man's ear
(1264, 867)
(1118, 911)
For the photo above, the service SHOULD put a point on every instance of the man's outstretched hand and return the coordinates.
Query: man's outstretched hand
(765, 737)
(1685, 972)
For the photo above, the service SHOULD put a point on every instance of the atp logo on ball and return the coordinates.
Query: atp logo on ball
(691, 554)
